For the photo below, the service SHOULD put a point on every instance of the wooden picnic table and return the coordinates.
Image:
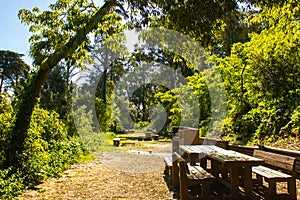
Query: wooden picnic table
(227, 162)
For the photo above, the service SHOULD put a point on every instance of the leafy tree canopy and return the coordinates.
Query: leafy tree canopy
(13, 70)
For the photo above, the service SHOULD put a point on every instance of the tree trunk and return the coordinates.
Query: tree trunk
(104, 86)
(33, 90)
(1, 83)
(23, 116)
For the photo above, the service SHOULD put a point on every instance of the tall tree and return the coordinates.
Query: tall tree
(60, 33)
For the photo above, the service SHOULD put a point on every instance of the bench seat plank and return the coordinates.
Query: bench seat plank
(168, 168)
(191, 175)
(270, 173)
(168, 160)
(197, 172)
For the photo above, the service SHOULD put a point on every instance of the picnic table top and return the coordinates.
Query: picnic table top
(219, 154)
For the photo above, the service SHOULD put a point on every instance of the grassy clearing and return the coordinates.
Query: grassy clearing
(95, 142)
(99, 142)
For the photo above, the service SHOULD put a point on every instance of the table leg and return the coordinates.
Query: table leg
(215, 168)
(292, 188)
(193, 158)
(248, 182)
(203, 163)
(271, 190)
(234, 179)
(224, 173)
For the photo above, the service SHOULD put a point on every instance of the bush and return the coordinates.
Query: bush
(293, 126)
(6, 119)
(48, 149)
(141, 125)
(104, 114)
(10, 184)
(295, 122)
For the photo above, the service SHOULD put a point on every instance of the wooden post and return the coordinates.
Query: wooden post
(175, 174)
(261, 147)
(184, 182)
(116, 141)
(292, 186)
(175, 145)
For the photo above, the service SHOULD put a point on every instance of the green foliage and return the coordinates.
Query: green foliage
(295, 120)
(200, 89)
(141, 125)
(293, 126)
(83, 119)
(11, 184)
(104, 113)
(119, 107)
(262, 78)
(14, 71)
(6, 124)
(55, 95)
(59, 33)
(48, 149)
(188, 105)
(204, 17)
(169, 101)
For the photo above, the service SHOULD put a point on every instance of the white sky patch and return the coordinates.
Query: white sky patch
(132, 40)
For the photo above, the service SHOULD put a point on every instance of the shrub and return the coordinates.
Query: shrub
(10, 184)
(141, 125)
(6, 119)
(295, 121)
(48, 149)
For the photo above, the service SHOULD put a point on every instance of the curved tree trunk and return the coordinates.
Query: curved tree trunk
(33, 90)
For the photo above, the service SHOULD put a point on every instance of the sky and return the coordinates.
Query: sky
(14, 36)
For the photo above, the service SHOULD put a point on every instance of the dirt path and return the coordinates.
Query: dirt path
(114, 175)
(122, 175)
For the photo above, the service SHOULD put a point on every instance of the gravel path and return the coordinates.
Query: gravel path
(122, 175)
(114, 175)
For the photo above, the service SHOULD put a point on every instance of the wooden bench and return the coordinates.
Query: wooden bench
(191, 176)
(155, 137)
(168, 167)
(116, 141)
(272, 176)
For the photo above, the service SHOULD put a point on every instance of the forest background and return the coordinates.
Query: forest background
(254, 45)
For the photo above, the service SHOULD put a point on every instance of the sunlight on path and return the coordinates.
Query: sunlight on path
(114, 175)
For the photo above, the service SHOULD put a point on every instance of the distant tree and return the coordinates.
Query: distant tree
(56, 92)
(13, 71)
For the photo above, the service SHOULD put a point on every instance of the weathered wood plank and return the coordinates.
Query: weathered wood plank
(168, 160)
(277, 160)
(270, 173)
(190, 175)
(272, 176)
